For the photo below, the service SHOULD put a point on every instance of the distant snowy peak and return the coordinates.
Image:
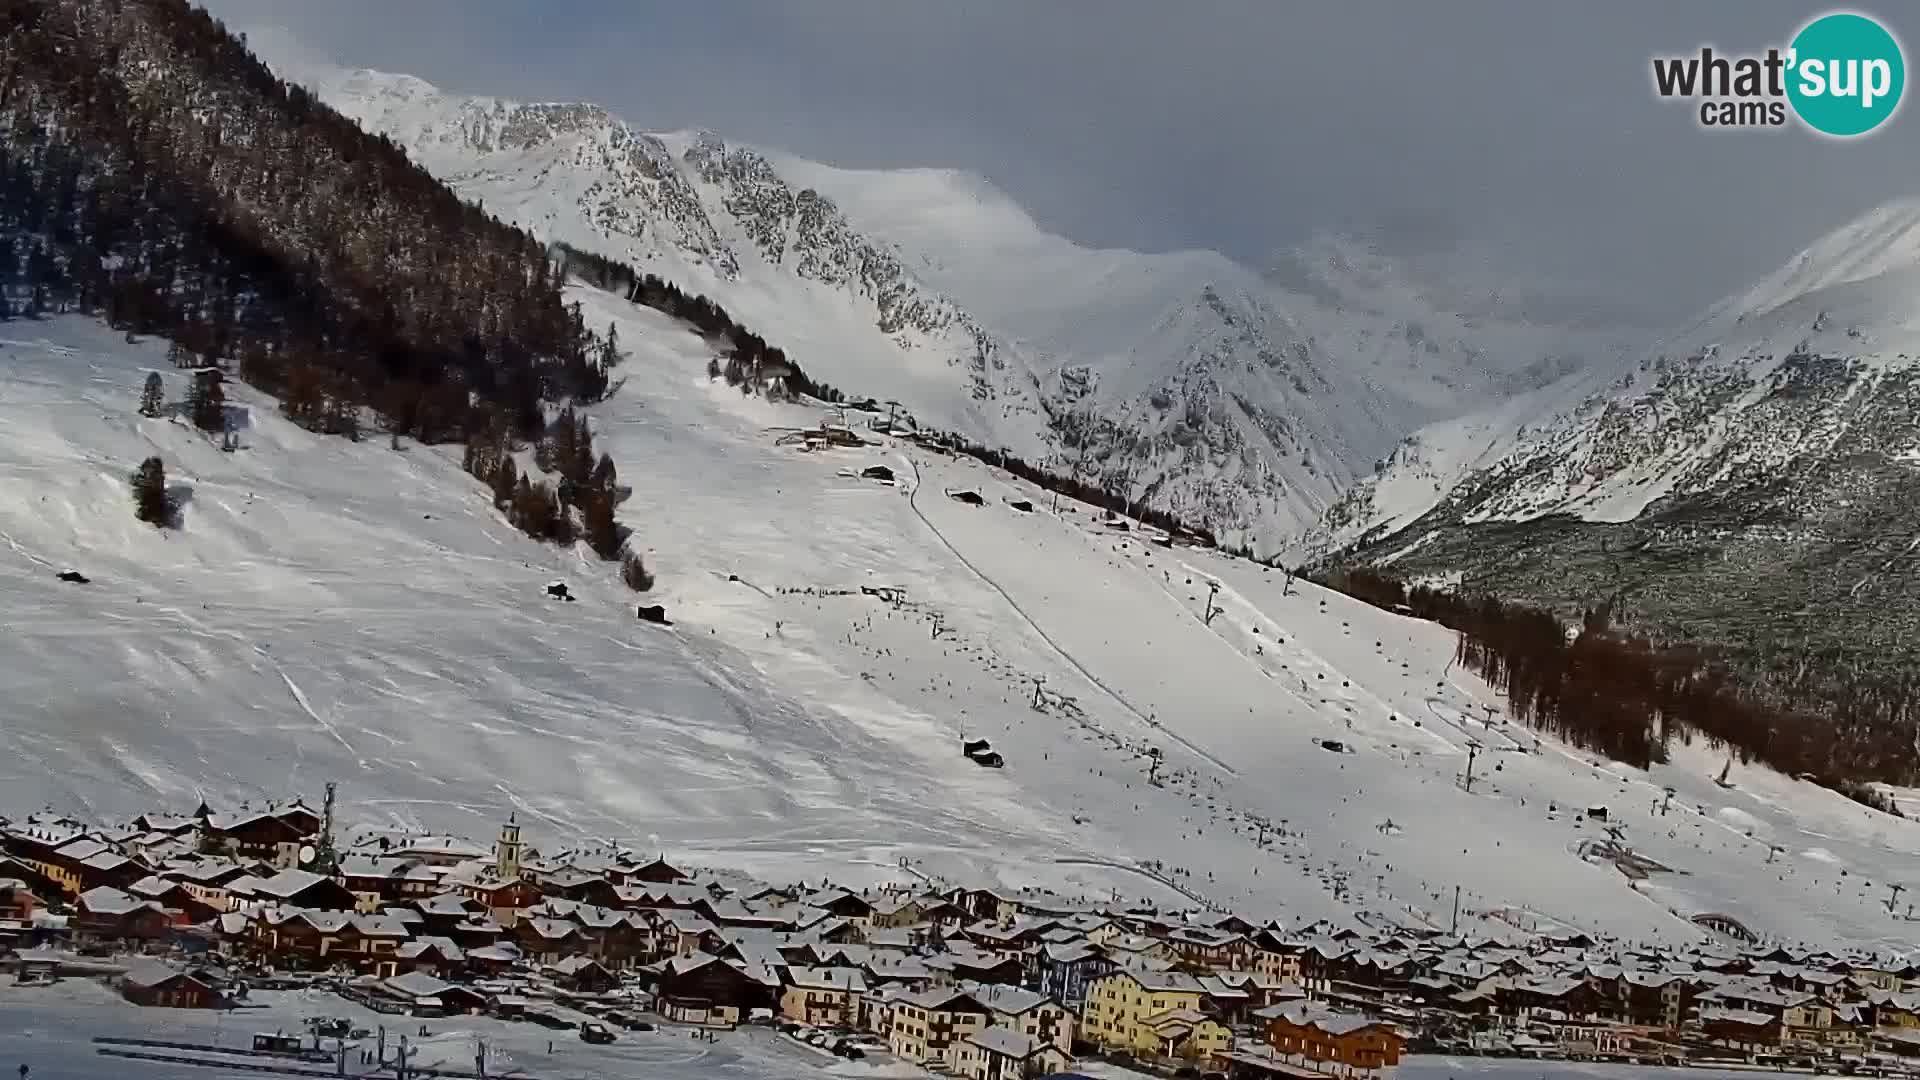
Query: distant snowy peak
(1882, 243)
(623, 183)
(1814, 371)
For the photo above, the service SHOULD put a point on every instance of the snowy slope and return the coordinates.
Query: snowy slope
(336, 610)
(1244, 400)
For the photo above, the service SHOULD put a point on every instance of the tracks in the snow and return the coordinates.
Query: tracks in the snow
(913, 493)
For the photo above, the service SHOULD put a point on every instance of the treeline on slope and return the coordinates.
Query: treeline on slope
(1072, 487)
(751, 364)
(1626, 697)
(578, 507)
(157, 173)
(750, 360)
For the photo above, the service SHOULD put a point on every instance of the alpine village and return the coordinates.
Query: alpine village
(193, 911)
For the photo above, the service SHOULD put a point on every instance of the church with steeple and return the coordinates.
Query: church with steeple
(507, 849)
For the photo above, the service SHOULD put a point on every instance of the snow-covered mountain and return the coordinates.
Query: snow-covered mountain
(1242, 399)
(1751, 481)
(330, 609)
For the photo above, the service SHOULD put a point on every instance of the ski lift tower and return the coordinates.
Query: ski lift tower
(1466, 779)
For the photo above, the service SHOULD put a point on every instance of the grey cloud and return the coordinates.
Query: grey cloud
(1522, 136)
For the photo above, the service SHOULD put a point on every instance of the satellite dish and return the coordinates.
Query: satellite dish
(306, 854)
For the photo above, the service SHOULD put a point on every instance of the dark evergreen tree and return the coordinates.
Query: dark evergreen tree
(506, 482)
(598, 525)
(151, 503)
(152, 396)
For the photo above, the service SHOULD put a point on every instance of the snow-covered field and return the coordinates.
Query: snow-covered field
(337, 610)
(50, 1030)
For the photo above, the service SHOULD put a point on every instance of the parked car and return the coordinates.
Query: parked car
(595, 1033)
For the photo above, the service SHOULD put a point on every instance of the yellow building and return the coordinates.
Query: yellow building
(1895, 1010)
(1274, 958)
(1278, 967)
(825, 997)
(1156, 1014)
(1808, 1020)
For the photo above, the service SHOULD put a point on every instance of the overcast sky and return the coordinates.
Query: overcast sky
(1524, 134)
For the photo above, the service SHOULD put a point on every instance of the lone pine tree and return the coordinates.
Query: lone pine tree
(150, 502)
(152, 396)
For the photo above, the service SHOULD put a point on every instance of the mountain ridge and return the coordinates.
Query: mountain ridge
(1197, 386)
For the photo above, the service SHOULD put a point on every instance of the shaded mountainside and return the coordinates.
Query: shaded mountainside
(715, 220)
(1239, 401)
(1754, 488)
(157, 172)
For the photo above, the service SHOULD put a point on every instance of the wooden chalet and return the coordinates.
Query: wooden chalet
(657, 871)
(294, 888)
(585, 975)
(18, 902)
(1345, 1040)
(318, 940)
(1211, 949)
(708, 991)
(956, 966)
(208, 879)
(107, 916)
(273, 835)
(185, 908)
(578, 885)
(437, 956)
(445, 912)
(156, 985)
(842, 904)
(43, 887)
(507, 899)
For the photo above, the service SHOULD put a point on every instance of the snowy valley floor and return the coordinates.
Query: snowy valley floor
(348, 611)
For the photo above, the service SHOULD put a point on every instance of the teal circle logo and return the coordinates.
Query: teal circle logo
(1847, 74)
